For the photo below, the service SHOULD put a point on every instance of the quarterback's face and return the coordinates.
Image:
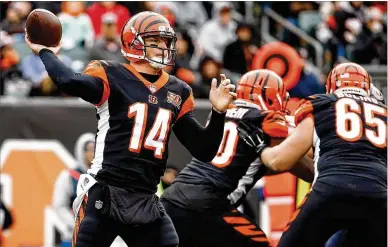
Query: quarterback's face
(154, 43)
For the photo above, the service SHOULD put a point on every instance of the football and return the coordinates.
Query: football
(43, 28)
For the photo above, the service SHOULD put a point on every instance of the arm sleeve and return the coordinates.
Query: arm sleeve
(61, 198)
(91, 86)
(202, 142)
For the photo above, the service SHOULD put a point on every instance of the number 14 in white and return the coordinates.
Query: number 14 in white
(157, 136)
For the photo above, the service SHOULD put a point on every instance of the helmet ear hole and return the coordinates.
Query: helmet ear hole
(270, 102)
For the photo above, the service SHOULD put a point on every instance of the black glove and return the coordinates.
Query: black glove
(253, 136)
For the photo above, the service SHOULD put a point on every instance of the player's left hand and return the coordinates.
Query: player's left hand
(223, 95)
(253, 136)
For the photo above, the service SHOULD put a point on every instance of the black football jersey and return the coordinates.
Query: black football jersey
(135, 118)
(350, 139)
(233, 171)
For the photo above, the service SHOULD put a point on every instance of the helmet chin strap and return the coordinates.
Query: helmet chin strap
(153, 62)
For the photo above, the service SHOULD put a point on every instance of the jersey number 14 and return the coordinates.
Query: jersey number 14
(349, 124)
(156, 137)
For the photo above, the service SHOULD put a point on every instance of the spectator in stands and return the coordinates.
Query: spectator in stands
(218, 31)
(182, 68)
(15, 20)
(53, 6)
(238, 55)
(77, 29)
(324, 33)
(290, 11)
(191, 15)
(107, 47)
(209, 68)
(184, 48)
(342, 23)
(346, 23)
(66, 184)
(8, 56)
(135, 7)
(96, 10)
(372, 41)
(11, 81)
(34, 71)
(168, 10)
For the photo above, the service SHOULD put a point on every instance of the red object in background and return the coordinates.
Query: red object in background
(282, 59)
(332, 23)
(381, 5)
(185, 75)
(96, 10)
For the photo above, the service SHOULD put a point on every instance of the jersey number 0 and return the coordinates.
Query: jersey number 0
(228, 146)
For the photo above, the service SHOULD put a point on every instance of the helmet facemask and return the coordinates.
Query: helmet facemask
(158, 62)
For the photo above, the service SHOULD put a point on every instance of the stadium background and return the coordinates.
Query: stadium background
(39, 126)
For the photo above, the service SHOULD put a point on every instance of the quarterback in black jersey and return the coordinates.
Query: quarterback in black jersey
(137, 106)
(202, 202)
(348, 129)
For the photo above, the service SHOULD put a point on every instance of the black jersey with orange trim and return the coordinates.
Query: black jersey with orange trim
(135, 118)
(234, 171)
(350, 140)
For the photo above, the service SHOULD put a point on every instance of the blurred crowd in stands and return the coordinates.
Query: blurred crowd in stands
(213, 38)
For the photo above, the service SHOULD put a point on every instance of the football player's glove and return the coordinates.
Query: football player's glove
(253, 136)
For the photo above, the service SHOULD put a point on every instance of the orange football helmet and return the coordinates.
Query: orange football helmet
(147, 24)
(264, 88)
(350, 77)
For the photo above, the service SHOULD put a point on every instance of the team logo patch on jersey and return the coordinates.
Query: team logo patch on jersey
(98, 204)
(153, 99)
(174, 99)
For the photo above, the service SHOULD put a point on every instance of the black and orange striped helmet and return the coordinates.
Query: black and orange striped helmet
(264, 88)
(142, 25)
(350, 77)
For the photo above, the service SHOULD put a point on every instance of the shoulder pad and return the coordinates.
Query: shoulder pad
(311, 104)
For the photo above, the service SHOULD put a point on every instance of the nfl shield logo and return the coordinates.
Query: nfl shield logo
(98, 204)
(152, 88)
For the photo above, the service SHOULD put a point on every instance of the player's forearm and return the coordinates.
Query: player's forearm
(278, 159)
(304, 169)
(285, 155)
(202, 142)
(68, 81)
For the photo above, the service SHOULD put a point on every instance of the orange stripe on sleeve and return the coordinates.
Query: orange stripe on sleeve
(187, 106)
(94, 68)
(80, 217)
(236, 220)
